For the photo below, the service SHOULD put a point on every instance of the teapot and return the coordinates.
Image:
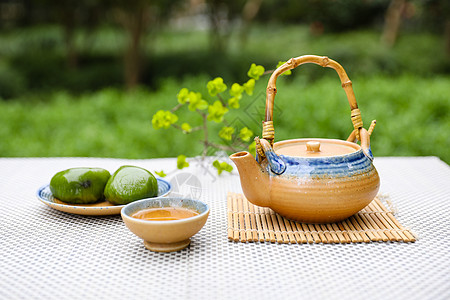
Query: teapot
(310, 180)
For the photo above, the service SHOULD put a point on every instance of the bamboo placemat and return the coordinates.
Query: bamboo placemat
(251, 223)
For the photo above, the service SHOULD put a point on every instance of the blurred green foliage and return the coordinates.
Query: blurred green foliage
(412, 114)
(48, 109)
(32, 60)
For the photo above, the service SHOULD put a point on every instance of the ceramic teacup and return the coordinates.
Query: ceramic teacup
(165, 236)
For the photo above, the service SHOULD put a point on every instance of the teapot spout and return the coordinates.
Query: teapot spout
(254, 181)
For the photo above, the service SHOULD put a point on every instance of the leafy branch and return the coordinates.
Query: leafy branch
(213, 112)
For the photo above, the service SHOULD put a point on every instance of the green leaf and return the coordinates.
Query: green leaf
(181, 162)
(216, 86)
(216, 164)
(183, 96)
(226, 133)
(216, 112)
(194, 99)
(288, 72)
(186, 128)
(234, 103)
(236, 90)
(161, 173)
(245, 134)
(196, 102)
(163, 119)
(222, 166)
(249, 86)
(255, 71)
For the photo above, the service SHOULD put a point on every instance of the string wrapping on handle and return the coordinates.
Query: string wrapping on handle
(357, 121)
(268, 134)
(268, 131)
(259, 149)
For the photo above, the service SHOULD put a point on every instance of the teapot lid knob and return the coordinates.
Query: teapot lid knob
(313, 146)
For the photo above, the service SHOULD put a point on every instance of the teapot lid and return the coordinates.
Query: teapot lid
(315, 147)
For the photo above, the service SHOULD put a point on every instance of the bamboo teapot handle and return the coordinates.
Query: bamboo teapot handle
(268, 129)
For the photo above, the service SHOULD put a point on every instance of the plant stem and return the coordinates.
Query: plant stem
(221, 100)
(222, 147)
(205, 131)
(192, 129)
(176, 107)
(176, 126)
(197, 128)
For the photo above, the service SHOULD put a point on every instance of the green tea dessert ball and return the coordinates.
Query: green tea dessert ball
(130, 183)
(79, 185)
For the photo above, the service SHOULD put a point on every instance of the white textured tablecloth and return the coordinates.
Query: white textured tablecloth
(47, 254)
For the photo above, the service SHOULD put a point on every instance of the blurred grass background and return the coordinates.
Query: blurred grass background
(54, 103)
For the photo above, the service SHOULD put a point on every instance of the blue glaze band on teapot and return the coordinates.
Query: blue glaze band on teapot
(337, 166)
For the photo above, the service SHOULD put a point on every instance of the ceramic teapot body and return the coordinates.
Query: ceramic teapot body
(310, 180)
(310, 189)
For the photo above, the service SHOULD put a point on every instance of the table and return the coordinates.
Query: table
(47, 254)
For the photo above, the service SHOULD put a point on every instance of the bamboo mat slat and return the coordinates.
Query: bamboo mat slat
(251, 223)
